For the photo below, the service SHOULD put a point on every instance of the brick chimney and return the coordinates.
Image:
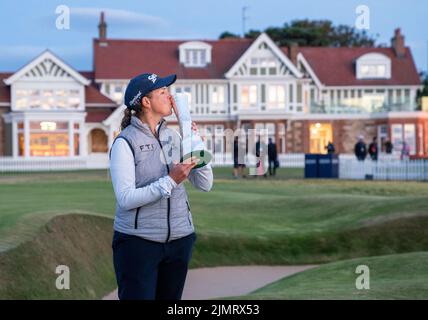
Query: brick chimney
(293, 49)
(102, 27)
(397, 43)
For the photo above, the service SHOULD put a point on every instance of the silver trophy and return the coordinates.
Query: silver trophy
(192, 144)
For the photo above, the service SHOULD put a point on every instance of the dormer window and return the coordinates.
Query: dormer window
(195, 54)
(373, 66)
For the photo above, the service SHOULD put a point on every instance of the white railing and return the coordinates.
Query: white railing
(388, 167)
(385, 169)
(10, 164)
(100, 161)
(288, 160)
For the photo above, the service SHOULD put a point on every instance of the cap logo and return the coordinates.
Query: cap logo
(152, 77)
(136, 97)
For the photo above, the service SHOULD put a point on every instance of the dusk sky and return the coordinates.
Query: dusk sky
(28, 27)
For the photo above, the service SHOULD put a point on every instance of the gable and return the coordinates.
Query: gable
(47, 67)
(263, 58)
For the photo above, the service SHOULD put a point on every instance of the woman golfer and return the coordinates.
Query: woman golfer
(153, 227)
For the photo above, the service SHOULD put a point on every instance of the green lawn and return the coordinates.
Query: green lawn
(285, 220)
(399, 276)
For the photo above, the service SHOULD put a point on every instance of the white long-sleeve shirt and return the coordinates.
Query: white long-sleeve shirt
(122, 170)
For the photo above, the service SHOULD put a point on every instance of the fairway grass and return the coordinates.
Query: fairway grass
(398, 276)
(49, 219)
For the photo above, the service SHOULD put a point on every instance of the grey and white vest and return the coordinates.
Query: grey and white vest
(168, 218)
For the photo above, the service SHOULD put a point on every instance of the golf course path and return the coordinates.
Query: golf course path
(217, 282)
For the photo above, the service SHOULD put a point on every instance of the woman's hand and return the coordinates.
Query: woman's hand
(180, 171)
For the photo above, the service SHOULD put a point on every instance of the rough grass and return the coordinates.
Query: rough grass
(81, 242)
(247, 221)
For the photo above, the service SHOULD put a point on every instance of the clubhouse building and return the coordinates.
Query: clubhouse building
(304, 96)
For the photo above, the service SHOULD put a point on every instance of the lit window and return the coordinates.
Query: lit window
(217, 96)
(276, 96)
(47, 99)
(49, 138)
(249, 96)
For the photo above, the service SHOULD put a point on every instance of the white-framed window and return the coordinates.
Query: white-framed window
(407, 133)
(248, 96)
(276, 96)
(208, 137)
(271, 131)
(410, 137)
(373, 66)
(195, 57)
(47, 99)
(373, 71)
(218, 139)
(195, 54)
(217, 96)
(118, 93)
(263, 66)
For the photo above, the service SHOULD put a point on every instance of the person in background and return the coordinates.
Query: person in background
(260, 149)
(330, 148)
(388, 146)
(405, 151)
(272, 157)
(238, 161)
(373, 151)
(360, 149)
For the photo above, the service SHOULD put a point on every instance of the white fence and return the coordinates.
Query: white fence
(10, 164)
(100, 161)
(385, 169)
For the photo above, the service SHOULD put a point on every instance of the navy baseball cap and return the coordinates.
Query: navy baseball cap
(141, 85)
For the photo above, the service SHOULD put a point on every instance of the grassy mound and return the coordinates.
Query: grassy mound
(406, 234)
(399, 276)
(81, 242)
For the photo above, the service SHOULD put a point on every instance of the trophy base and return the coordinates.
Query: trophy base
(203, 155)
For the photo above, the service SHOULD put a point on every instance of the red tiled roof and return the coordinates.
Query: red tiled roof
(4, 89)
(123, 59)
(94, 96)
(336, 66)
(97, 115)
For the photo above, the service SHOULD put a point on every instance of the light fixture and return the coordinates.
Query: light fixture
(48, 126)
(318, 125)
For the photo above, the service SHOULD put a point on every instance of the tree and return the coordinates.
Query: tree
(228, 34)
(316, 33)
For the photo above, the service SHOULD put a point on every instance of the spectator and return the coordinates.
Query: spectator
(238, 159)
(388, 147)
(360, 149)
(330, 148)
(405, 151)
(260, 151)
(373, 151)
(272, 157)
